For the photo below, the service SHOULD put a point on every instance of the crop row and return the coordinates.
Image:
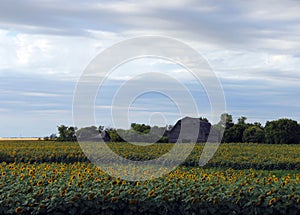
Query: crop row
(83, 188)
(237, 156)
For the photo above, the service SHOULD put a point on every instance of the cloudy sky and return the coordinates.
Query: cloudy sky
(252, 46)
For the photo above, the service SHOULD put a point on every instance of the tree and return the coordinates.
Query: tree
(62, 132)
(226, 120)
(141, 128)
(242, 120)
(234, 132)
(282, 131)
(254, 134)
(114, 136)
(66, 133)
(204, 119)
(223, 126)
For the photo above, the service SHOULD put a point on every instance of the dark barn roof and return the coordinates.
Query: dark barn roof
(189, 129)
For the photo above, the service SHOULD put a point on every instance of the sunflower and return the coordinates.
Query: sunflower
(272, 201)
(138, 183)
(19, 210)
(270, 192)
(152, 192)
(62, 193)
(39, 183)
(251, 189)
(31, 172)
(3, 173)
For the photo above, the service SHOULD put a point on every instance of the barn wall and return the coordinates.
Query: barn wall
(190, 125)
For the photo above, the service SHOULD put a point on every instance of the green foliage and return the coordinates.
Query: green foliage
(237, 156)
(235, 133)
(204, 119)
(253, 134)
(72, 187)
(114, 135)
(277, 132)
(141, 128)
(282, 131)
(66, 133)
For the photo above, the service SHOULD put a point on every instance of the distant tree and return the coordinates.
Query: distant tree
(114, 135)
(71, 134)
(242, 120)
(282, 131)
(62, 132)
(253, 134)
(169, 127)
(258, 124)
(234, 132)
(227, 119)
(100, 128)
(204, 119)
(141, 128)
(66, 133)
(222, 127)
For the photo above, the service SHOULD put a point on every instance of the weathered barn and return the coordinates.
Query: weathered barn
(99, 137)
(189, 129)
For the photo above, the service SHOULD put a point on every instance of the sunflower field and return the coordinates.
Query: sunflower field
(44, 177)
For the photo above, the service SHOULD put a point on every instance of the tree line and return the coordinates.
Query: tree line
(281, 131)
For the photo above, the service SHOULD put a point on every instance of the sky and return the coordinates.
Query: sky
(253, 47)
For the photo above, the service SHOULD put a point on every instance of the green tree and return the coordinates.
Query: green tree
(282, 131)
(234, 132)
(141, 128)
(223, 126)
(62, 132)
(253, 134)
(114, 135)
(66, 133)
(242, 120)
(204, 119)
(226, 120)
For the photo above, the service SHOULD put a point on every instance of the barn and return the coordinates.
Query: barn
(189, 129)
(97, 137)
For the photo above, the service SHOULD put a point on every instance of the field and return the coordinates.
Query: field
(40, 177)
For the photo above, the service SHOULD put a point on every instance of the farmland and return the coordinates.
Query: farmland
(54, 177)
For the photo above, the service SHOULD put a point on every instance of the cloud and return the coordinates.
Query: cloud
(253, 47)
(40, 94)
